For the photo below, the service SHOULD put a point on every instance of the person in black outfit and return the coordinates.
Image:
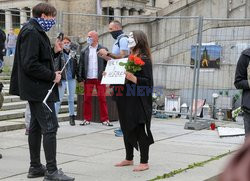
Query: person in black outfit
(242, 81)
(136, 109)
(32, 76)
(2, 48)
(2, 44)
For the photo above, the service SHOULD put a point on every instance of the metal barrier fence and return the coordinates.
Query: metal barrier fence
(194, 58)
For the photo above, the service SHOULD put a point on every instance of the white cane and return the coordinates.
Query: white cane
(71, 55)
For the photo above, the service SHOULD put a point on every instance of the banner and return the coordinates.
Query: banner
(114, 73)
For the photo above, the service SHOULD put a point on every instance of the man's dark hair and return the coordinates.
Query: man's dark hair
(116, 22)
(43, 8)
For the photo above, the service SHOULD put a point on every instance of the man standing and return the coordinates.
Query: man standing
(11, 43)
(242, 81)
(32, 76)
(2, 41)
(119, 50)
(91, 68)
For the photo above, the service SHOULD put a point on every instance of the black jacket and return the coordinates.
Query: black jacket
(60, 61)
(2, 43)
(33, 70)
(136, 108)
(242, 78)
(84, 62)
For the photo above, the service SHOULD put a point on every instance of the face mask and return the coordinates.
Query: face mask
(46, 24)
(89, 40)
(131, 40)
(115, 34)
(66, 46)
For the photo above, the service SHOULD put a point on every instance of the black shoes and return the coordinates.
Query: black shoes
(1, 156)
(36, 172)
(72, 120)
(107, 123)
(58, 175)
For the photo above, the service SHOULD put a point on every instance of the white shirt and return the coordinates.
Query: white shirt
(93, 64)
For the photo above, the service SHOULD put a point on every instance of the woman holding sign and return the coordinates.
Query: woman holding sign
(135, 104)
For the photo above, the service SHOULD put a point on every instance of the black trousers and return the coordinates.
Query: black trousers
(143, 145)
(43, 122)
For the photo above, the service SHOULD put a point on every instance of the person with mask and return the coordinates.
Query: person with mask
(33, 74)
(68, 79)
(119, 50)
(242, 82)
(135, 117)
(11, 43)
(91, 68)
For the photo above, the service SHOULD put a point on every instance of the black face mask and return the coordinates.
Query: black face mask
(117, 33)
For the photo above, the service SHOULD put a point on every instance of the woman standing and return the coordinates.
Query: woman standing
(135, 110)
(68, 79)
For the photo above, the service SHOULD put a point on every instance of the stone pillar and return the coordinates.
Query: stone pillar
(125, 12)
(141, 12)
(23, 17)
(8, 20)
(31, 14)
(135, 12)
(117, 12)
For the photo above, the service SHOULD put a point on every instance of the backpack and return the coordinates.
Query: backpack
(118, 40)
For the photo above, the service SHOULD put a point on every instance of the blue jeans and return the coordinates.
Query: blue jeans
(71, 88)
(10, 51)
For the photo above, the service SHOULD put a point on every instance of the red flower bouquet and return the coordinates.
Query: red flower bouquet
(134, 64)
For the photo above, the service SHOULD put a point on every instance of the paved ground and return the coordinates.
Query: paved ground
(89, 153)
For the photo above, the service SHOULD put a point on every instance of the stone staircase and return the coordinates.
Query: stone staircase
(12, 112)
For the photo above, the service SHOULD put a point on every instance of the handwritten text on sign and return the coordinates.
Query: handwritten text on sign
(114, 72)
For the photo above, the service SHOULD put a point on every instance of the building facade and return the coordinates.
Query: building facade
(14, 13)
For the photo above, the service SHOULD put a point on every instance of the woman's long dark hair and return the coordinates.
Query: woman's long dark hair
(142, 46)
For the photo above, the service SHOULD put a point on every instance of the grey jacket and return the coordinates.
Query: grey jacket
(84, 62)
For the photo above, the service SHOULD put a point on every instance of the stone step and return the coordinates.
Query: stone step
(5, 82)
(13, 105)
(4, 77)
(11, 98)
(19, 113)
(22, 104)
(19, 123)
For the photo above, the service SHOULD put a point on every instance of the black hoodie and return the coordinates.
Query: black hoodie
(242, 78)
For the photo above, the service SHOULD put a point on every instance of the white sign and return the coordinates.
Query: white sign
(114, 73)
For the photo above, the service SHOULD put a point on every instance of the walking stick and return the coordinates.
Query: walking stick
(71, 55)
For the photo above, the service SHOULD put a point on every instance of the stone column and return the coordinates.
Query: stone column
(125, 12)
(23, 17)
(31, 14)
(8, 20)
(135, 12)
(141, 12)
(117, 12)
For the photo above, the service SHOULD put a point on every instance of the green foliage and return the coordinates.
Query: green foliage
(236, 112)
(7, 70)
(130, 66)
(191, 166)
(79, 89)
